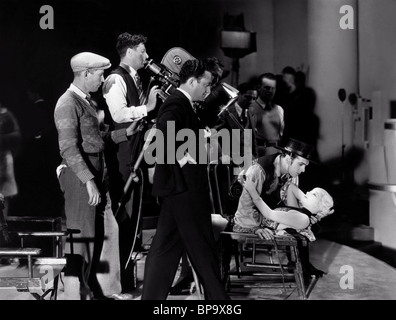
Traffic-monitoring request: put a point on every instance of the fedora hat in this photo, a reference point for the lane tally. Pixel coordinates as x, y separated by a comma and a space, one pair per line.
298, 148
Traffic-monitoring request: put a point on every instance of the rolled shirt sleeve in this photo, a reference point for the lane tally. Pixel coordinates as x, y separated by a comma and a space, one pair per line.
247, 215
115, 92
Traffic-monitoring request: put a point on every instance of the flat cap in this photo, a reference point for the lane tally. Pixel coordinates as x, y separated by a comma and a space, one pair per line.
88, 60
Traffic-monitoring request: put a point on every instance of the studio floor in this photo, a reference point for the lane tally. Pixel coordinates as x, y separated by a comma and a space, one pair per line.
350, 275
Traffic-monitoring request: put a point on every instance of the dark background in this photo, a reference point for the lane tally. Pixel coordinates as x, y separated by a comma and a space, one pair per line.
30, 54
31, 57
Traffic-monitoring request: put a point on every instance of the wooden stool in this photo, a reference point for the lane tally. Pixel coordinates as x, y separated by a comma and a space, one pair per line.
241, 244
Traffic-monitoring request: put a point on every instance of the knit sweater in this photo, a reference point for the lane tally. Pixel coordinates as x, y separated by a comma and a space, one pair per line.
78, 133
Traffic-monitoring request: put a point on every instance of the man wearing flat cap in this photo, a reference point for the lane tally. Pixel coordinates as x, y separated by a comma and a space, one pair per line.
81, 174
89, 61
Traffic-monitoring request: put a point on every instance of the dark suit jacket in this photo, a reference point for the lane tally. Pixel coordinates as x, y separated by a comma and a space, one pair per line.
170, 178
227, 121
230, 120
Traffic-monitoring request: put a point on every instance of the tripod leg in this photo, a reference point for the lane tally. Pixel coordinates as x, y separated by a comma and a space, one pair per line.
136, 217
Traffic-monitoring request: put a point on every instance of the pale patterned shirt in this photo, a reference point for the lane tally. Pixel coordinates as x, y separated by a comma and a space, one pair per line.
247, 214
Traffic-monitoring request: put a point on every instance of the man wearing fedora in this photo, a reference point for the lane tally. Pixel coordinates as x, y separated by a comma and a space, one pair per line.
82, 172
272, 175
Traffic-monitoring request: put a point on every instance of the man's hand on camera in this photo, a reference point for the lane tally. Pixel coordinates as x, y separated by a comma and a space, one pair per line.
152, 99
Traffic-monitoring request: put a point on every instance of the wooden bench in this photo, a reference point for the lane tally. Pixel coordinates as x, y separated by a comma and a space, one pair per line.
27, 278
25, 252
56, 235
43, 273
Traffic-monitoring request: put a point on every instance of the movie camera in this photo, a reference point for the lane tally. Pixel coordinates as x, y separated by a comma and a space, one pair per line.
166, 75
167, 80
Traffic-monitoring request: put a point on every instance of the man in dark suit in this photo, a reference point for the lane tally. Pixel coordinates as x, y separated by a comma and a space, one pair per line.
181, 184
235, 116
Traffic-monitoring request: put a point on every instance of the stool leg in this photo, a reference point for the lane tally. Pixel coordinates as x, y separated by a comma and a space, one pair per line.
298, 273
30, 266
238, 251
222, 258
71, 244
54, 293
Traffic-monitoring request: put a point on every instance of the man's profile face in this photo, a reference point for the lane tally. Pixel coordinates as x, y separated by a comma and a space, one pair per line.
311, 201
297, 166
94, 79
202, 87
139, 56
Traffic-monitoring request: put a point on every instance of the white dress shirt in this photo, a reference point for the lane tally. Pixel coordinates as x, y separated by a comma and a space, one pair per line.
187, 157
115, 92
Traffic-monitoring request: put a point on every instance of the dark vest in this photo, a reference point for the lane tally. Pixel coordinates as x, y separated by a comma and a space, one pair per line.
267, 163
132, 96
128, 151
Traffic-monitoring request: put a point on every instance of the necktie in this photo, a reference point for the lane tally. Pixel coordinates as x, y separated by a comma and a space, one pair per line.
140, 88
194, 106
91, 102
243, 117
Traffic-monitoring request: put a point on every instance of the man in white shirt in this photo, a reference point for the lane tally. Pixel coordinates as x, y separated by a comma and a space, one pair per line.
126, 101
265, 118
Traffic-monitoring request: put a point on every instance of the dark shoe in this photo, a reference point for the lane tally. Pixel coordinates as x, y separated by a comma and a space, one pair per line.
86, 293
311, 270
182, 286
